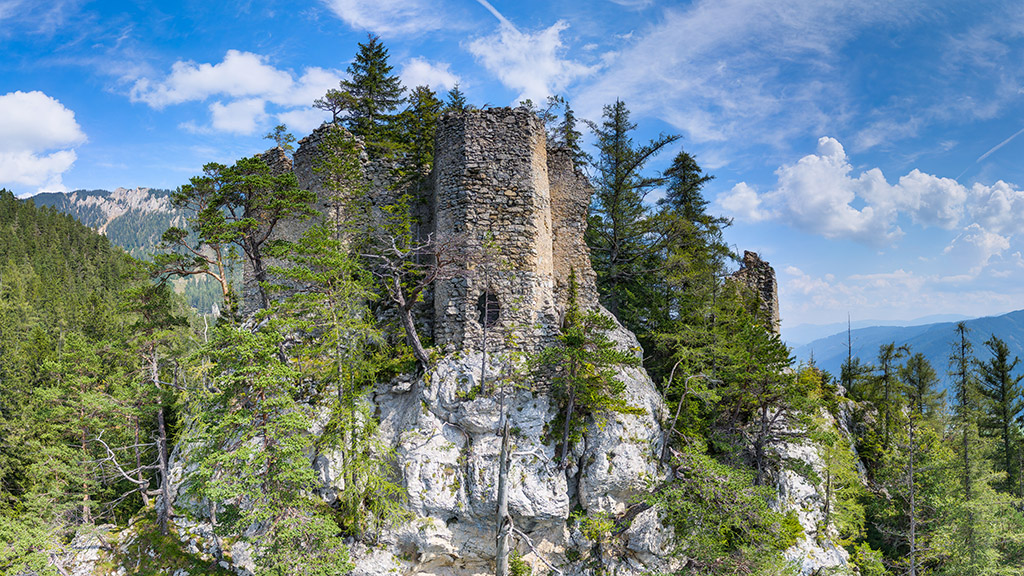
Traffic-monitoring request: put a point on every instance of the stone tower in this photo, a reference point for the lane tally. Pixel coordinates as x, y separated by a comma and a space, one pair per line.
759, 276
492, 193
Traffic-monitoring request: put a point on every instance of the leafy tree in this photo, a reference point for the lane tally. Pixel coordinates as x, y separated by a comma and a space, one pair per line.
723, 521
584, 383
251, 446
337, 348
761, 402
282, 138
231, 207
1004, 401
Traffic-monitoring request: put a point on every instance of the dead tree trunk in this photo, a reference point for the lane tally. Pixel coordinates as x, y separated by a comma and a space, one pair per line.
165, 477
504, 534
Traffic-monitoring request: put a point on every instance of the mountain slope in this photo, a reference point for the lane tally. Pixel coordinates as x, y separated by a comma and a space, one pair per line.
132, 219
933, 340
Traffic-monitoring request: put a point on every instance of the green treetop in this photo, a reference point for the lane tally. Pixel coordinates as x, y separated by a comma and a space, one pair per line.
584, 361
373, 94
1003, 400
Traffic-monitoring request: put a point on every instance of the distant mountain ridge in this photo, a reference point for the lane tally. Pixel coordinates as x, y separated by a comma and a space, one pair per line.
935, 341
133, 219
805, 333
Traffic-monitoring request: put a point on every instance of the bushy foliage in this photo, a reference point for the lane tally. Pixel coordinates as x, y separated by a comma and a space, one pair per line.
723, 522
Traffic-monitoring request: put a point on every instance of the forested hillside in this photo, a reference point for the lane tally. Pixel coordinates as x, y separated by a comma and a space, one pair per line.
934, 341
134, 220
78, 322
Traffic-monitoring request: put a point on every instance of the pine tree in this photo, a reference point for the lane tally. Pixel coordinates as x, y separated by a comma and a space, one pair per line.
620, 230
921, 382
250, 433
417, 126
228, 208
456, 100
338, 348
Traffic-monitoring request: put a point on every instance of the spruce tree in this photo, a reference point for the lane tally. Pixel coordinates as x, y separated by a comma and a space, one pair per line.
372, 94
621, 229
582, 365
1004, 401
456, 100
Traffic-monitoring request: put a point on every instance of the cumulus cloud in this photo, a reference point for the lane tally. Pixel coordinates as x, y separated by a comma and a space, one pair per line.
532, 63
974, 247
244, 85
37, 137
999, 207
388, 17
421, 72
820, 194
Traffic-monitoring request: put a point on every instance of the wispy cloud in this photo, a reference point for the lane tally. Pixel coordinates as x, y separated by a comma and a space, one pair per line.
389, 17
533, 63
1000, 145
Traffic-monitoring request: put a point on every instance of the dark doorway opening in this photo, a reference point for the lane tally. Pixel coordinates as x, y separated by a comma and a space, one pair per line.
489, 309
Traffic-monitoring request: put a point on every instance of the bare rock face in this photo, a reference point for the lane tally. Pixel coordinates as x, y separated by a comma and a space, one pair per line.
445, 431
818, 551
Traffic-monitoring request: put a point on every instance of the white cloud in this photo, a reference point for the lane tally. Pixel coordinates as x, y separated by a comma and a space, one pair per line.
388, 17
239, 117
245, 84
932, 200
37, 137
421, 72
531, 63
302, 121
744, 203
999, 207
973, 248
241, 74
819, 194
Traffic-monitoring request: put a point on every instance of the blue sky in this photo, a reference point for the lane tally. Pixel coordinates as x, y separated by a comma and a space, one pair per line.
869, 149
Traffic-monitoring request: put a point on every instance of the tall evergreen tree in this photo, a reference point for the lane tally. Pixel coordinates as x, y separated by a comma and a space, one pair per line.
584, 381
1004, 401
456, 100
620, 230
416, 127
921, 382
372, 95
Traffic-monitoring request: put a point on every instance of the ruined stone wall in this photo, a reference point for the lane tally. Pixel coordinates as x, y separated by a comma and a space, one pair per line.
492, 191
570, 206
759, 276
